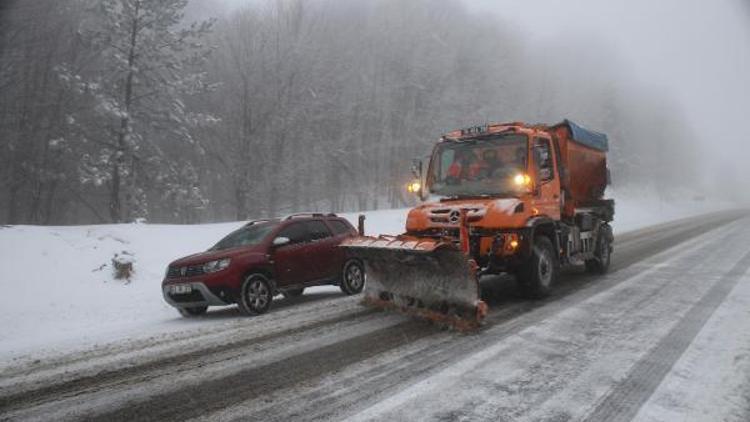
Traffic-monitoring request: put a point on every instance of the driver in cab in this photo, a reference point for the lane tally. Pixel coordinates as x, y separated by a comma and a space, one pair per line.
466, 165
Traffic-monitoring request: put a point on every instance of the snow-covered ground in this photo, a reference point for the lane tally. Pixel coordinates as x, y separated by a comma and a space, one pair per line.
59, 293
710, 380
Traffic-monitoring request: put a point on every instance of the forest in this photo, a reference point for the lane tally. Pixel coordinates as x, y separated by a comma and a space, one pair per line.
174, 111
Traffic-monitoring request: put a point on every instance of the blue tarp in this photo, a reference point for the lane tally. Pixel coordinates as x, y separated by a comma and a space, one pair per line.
587, 137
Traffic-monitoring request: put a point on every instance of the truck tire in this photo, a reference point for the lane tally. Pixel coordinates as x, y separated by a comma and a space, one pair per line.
602, 256
255, 296
537, 276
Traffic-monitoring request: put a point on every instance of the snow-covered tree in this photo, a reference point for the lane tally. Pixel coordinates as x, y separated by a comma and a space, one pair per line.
150, 61
106, 113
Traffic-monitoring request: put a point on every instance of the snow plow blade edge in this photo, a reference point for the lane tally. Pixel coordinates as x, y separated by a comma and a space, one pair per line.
426, 278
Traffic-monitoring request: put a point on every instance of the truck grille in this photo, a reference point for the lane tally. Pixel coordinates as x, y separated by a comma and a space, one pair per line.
185, 271
451, 216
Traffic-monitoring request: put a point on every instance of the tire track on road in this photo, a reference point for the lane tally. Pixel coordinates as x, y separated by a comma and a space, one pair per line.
327, 402
47, 392
466, 392
220, 393
624, 400
311, 365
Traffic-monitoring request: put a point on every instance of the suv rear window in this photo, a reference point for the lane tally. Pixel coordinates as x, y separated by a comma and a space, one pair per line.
296, 232
318, 229
339, 227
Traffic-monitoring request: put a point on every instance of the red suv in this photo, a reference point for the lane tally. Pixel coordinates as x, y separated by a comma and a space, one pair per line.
265, 257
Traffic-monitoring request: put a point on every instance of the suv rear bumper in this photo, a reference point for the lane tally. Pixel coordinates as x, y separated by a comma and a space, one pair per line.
199, 296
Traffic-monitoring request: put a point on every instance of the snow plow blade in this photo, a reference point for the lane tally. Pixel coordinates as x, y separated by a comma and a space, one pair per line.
427, 278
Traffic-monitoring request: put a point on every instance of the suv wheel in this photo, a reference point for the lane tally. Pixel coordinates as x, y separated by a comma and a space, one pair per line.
193, 311
256, 295
352, 277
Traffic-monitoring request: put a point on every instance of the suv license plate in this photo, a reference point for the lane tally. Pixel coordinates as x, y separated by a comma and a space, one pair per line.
181, 289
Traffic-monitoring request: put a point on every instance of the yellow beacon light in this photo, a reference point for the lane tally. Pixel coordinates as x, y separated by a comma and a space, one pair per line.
522, 180
414, 187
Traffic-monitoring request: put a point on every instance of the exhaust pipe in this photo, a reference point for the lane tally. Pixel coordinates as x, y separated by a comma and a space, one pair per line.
361, 225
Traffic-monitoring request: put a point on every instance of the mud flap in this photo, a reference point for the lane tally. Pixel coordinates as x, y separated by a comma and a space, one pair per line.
428, 278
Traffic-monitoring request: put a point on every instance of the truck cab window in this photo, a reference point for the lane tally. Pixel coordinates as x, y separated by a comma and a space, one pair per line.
479, 166
543, 158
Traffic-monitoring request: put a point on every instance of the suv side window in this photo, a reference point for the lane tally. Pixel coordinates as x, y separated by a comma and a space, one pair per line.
543, 158
339, 227
318, 230
296, 232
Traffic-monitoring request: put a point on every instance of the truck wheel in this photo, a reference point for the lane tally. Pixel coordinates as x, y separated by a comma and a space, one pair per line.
256, 295
352, 277
602, 256
539, 273
193, 311
293, 293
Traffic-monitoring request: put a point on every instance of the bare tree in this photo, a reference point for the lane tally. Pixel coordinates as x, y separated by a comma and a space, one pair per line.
112, 110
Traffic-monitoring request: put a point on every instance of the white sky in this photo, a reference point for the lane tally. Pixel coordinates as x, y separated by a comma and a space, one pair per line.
697, 51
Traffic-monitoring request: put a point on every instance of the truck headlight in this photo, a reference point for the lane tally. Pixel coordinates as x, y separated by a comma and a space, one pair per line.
414, 187
512, 241
214, 266
522, 180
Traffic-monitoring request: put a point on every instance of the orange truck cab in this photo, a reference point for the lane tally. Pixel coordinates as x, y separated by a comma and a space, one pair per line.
529, 199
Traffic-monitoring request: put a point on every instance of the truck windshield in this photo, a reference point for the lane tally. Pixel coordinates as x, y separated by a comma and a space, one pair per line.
478, 167
246, 236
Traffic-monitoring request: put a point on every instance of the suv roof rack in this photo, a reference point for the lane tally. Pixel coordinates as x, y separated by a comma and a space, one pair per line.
309, 214
260, 220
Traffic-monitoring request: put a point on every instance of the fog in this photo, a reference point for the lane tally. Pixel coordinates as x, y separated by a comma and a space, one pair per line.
259, 107
694, 51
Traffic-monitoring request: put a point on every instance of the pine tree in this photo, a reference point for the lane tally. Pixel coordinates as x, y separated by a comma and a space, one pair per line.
150, 62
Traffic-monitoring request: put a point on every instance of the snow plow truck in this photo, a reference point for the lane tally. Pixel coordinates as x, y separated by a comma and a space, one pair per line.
499, 198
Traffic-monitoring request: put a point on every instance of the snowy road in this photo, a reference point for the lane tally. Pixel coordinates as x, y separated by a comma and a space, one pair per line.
665, 336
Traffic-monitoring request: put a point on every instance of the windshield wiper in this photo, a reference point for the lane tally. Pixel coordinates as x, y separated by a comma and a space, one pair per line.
476, 196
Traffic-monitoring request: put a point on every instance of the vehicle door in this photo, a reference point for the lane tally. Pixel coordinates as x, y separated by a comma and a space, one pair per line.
341, 231
291, 263
323, 251
548, 185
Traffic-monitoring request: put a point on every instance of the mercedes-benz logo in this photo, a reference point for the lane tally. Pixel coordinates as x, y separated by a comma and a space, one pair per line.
454, 216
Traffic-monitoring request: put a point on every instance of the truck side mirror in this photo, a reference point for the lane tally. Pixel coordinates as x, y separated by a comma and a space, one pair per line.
543, 160
417, 185
416, 168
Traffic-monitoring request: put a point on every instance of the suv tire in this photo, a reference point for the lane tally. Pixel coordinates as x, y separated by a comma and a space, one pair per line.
352, 277
256, 295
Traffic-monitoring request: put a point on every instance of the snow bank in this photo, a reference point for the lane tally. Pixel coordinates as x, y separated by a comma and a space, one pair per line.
636, 208
59, 293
